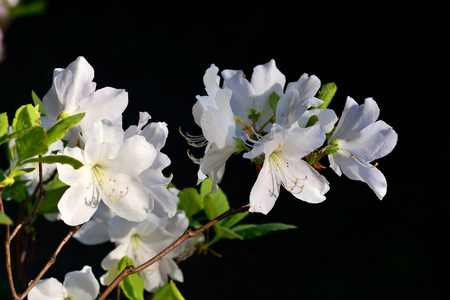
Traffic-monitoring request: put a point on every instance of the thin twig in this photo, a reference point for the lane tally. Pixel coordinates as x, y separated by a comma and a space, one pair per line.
187, 234
8, 252
51, 261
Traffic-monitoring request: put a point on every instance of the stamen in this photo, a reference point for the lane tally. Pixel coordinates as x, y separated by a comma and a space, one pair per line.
289, 183
194, 140
355, 159
193, 158
110, 187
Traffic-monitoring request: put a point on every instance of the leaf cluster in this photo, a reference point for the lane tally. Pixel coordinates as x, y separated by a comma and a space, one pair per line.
202, 206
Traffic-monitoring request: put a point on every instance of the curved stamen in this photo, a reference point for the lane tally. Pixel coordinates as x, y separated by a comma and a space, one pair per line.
355, 159
290, 184
193, 158
194, 140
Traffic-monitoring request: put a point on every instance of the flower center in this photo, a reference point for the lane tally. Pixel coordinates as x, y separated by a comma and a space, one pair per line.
281, 166
110, 187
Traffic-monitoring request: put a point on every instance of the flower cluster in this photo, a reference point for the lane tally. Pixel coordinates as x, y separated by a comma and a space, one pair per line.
130, 187
281, 130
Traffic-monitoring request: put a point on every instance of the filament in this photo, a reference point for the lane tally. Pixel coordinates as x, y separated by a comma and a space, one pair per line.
362, 164
194, 140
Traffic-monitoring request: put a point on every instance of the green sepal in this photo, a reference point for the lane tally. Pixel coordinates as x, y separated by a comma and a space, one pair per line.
37, 101
168, 292
59, 130
250, 231
133, 285
5, 220
51, 159
326, 94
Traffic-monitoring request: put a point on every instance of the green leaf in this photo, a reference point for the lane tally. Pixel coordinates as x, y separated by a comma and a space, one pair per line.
168, 292
30, 142
234, 219
51, 159
59, 130
219, 197
273, 101
26, 116
211, 209
3, 124
4, 219
326, 94
133, 285
190, 202
37, 101
33, 8
250, 231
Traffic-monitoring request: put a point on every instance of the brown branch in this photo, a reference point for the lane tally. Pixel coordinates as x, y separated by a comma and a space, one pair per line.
51, 261
187, 234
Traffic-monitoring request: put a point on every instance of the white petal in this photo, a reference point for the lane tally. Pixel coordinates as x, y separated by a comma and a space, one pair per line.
265, 191
81, 285
356, 117
211, 80
134, 156
47, 289
133, 201
67, 173
267, 79
307, 87
74, 84
95, 231
156, 134
79, 202
373, 142
106, 103
355, 171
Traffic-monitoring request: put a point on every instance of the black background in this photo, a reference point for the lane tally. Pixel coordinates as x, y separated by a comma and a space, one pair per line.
352, 246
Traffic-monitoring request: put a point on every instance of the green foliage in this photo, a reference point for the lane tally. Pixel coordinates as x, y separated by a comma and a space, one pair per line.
30, 142
3, 124
168, 292
250, 231
273, 101
5, 220
59, 130
203, 206
37, 101
51, 159
133, 285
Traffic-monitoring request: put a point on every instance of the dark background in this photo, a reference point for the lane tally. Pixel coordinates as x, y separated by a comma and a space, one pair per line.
352, 246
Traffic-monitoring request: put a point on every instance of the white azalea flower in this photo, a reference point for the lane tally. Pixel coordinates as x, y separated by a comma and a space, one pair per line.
142, 241
214, 115
360, 140
73, 91
299, 97
165, 203
254, 94
111, 167
78, 285
283, 151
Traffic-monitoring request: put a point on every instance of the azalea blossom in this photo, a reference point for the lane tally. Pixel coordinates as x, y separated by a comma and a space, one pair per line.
361, 139
214, 115
165, 202
298, 98
73, 92
77, 285
251, 98
283, 150
110, 173
141, 241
